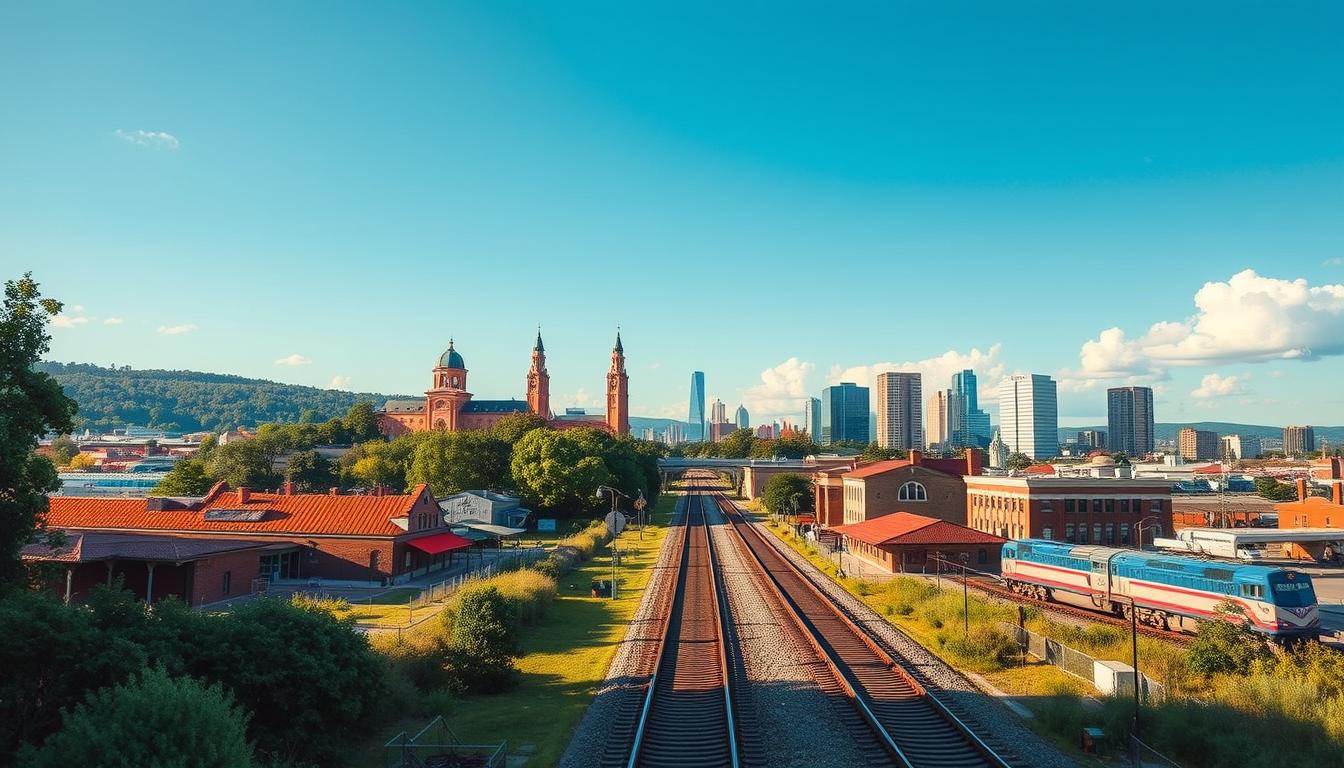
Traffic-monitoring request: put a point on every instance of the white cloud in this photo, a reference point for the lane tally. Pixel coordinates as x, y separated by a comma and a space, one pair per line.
174, 330
113, 321
340, 382
1248, 318
294, 359
79, 308
1337, 261
781, 390
579, 399
1214, 385
68, 321
151, 139
935, 372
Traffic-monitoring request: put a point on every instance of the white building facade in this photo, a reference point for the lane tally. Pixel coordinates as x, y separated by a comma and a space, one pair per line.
1029, 415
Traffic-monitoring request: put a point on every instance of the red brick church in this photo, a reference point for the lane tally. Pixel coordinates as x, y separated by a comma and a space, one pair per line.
448, 405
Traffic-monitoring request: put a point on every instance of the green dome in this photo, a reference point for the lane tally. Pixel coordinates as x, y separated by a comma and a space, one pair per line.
450, 358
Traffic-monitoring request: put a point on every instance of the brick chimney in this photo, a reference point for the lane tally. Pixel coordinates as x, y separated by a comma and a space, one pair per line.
916, 457
1337, 494
975, 461
243, 495
288, 488
334, 491
1301, 489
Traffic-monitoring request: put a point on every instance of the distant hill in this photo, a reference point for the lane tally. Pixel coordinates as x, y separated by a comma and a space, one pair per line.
1171, 430
190, 401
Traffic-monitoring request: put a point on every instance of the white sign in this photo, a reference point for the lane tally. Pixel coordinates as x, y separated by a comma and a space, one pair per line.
615, 523
546, 524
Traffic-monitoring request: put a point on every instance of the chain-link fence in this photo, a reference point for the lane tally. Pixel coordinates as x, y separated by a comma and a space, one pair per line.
1143, 756
442, 590
1076, 662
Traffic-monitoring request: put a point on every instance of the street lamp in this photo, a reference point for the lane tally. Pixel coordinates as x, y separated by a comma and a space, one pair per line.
1138, 529
615, 550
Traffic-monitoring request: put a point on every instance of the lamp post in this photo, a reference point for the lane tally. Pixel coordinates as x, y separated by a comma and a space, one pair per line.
615, 550
793, 502
1134, 651
1138, 529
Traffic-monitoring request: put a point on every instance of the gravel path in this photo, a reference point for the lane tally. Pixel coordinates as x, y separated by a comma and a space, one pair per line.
587, 745
990, 719
795, 720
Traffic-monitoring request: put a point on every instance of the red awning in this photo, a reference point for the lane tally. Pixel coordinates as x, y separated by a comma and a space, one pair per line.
439, 542
805, 519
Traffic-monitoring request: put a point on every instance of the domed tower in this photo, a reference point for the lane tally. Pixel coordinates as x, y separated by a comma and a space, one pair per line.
618, 391
539, 382
448, 393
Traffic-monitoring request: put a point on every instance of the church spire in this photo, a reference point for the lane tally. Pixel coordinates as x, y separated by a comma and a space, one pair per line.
618, 391
619, 347
539, 346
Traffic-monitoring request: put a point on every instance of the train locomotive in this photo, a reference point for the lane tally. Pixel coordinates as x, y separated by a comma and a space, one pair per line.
1164, 589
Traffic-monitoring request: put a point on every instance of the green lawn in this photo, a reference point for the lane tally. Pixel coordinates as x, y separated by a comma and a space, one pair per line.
567, 654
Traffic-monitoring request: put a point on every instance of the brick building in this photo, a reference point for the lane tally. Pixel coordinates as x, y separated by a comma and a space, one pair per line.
930, 487
449, 406
368, 539
1084, 510
904, 543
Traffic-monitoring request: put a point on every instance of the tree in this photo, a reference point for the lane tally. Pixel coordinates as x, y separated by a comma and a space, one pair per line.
781, 491
63, 449
31, 405
1018, 462
81, 462
310, 471
1273, 490
361, 422
795, 446
875, 452
155, 721
187, 478
245, 464
737, 445
450, 462
1226, 644
512, 427
484, 641
554, 471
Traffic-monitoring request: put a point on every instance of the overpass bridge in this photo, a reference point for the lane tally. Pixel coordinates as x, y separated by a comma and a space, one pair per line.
749, 475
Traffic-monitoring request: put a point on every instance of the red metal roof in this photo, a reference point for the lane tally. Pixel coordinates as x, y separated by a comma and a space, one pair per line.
877, 468
435, 543
298, 514
907, 528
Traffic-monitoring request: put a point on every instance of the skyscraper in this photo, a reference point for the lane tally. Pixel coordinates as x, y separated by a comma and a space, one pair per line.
900, 422
1129, 418
695, 422
974, 423
936, 421
718, 412
844, 413
812, 418
1298, 441
1029, 415
743, 420
1197, 444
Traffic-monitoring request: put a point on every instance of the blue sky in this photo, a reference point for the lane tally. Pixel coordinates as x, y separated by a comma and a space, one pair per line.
781, 197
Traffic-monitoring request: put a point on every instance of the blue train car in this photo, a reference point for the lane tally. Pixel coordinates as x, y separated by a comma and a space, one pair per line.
1275, 601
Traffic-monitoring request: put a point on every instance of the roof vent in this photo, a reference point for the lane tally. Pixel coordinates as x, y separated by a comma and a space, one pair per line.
235, 515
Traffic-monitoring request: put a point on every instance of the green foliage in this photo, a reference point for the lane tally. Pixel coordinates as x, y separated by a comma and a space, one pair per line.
310, 472
31, 405
484, 641
782, 490
1226, 646
1274, 490
246, 463
559, 470
1018, 462
986, 647
450, 462
737, 445
63, 449
188, 401
187, 478
513, 426
361, 422
875, 452
154, 721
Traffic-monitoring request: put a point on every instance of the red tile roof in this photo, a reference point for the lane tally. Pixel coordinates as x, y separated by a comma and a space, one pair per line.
907, 528
1040, 469
299, 514
877, 468
954, 467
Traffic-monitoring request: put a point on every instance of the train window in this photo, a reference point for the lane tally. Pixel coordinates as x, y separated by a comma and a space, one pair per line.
1252, 590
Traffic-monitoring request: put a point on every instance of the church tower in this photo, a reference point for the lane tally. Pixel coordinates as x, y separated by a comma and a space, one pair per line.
448, 393
539, 382
618, 391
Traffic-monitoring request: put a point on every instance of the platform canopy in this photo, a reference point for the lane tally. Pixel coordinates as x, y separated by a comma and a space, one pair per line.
435, 543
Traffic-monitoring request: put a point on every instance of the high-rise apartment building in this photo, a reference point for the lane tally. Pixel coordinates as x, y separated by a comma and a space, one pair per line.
844, 413
1129, 420
812, 418
900, 421
741, 417
1197, 444
1092, 439
1029, 415
718, 412
695, 421
936, 419
973, 426
1299, 441
1234, 447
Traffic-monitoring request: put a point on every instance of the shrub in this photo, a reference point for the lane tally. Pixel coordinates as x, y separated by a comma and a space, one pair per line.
333, 605
987, 648
155, 721
1225, 647
484, 642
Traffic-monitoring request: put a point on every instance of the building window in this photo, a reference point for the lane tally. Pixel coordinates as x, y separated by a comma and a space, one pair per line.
1068, 532
1124, 533
1047, 533
1156, 506
1135, 505
228, 582
982, 557
1082, 533
1096, 506
1124, 506
1096, 534
1110, 534
912, 491
406, 562
1110, 506
373, 560
1068, 506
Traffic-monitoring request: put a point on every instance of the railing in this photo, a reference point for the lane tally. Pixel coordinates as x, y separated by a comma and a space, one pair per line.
1077, 663
436, 741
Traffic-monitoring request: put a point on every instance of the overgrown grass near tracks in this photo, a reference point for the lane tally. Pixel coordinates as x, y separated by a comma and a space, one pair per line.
566, 655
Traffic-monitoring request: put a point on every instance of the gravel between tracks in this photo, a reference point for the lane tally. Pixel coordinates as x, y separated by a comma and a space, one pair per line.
994, 722
795, 720
590, 737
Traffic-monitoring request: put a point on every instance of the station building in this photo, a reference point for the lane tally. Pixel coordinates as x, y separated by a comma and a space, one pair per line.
934, 488
901, 542
1311, 512
1082, 510
222, 545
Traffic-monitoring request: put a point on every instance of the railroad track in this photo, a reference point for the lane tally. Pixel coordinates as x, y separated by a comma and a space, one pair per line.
911, 725
687, 714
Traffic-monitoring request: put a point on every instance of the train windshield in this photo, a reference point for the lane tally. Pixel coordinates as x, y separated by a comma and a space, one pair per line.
1292, 590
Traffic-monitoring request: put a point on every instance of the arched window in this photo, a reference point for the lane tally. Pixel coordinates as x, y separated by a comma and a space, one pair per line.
912, 491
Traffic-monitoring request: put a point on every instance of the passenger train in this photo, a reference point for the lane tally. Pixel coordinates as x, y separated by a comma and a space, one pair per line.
1167, 590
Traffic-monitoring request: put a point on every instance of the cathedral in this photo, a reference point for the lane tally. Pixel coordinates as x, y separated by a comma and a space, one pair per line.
448, 405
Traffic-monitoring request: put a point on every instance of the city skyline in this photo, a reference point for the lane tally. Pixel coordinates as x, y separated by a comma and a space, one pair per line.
191, 224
